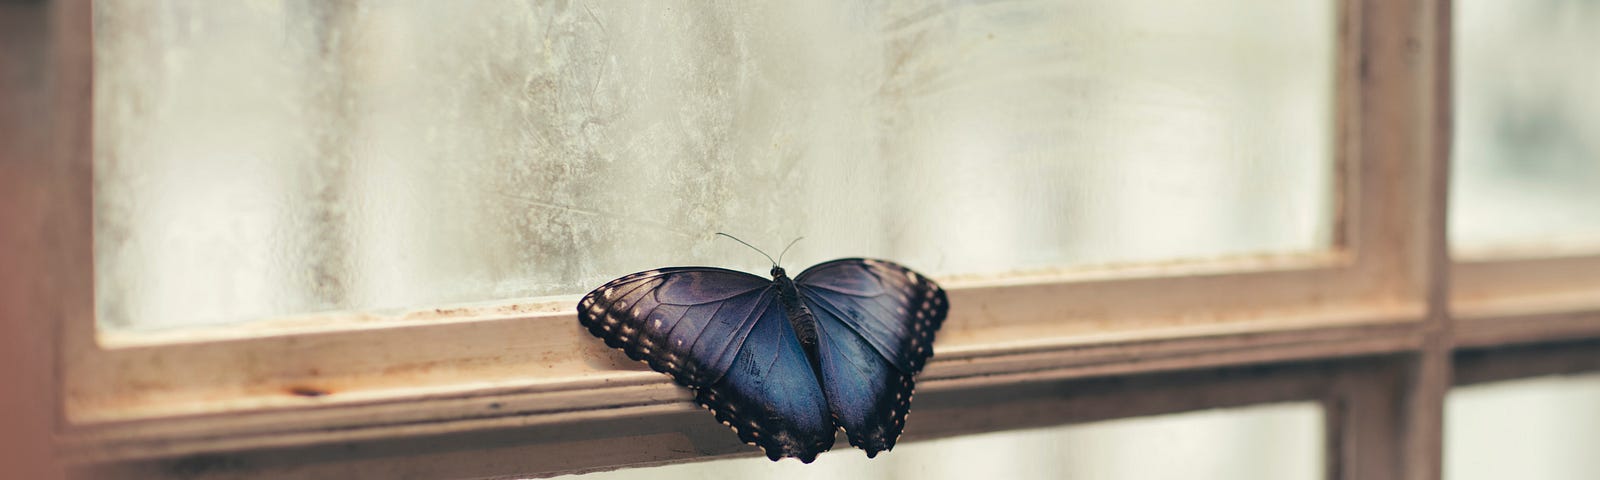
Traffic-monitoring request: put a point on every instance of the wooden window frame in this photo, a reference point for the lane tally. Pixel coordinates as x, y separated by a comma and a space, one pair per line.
1365, 328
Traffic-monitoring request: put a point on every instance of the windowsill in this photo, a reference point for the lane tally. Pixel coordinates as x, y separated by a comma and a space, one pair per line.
227, 421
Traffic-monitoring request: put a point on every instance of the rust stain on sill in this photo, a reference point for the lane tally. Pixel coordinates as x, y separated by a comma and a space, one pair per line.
305, 391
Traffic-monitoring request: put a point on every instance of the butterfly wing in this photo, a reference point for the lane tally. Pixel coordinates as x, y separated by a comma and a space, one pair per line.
685, 321
875, 327
771, 396
868, 396
892, 308
723, 334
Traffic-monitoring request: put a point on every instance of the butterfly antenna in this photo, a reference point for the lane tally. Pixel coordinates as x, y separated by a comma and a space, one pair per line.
752, 247
786, 249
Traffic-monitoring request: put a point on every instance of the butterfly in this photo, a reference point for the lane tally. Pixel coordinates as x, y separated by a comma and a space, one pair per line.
783, 362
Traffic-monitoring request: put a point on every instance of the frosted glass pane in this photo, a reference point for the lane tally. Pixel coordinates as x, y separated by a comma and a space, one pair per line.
1527, 133
1271, 442
1545, 428
267, 158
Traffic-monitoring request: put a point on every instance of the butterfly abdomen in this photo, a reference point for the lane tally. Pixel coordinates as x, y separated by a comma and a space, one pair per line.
800, 317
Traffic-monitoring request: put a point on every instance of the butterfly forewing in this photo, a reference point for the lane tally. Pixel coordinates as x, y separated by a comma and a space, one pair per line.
686, 322
894, 309
725, 335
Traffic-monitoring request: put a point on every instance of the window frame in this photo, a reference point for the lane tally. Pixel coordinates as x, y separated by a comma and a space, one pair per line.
1512, 300
1373, 315
1360, 297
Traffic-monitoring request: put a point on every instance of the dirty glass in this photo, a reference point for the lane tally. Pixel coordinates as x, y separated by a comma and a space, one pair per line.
1543, 428
267, 158
1527, 131
1276, 442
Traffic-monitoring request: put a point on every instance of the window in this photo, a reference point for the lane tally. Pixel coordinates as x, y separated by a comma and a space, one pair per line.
1535, 427
523, 152
1524, 227
353, 319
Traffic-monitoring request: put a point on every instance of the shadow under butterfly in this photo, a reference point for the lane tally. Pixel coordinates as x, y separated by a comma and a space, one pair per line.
782, 362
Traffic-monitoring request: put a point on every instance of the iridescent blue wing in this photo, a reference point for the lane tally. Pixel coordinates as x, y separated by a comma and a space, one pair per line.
723, 334
891, 307
875, 326
685, 321
771, 396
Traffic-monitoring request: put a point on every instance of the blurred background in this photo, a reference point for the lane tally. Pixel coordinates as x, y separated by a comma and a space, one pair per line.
264, 159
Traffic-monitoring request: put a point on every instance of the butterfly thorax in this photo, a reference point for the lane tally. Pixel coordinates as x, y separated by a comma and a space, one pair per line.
805, 325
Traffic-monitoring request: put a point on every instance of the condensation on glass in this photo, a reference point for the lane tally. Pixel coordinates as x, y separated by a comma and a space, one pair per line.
267, 158
1546, 428
1527, 130
1268, 442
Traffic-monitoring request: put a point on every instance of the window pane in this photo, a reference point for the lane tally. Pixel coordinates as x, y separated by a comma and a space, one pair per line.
1544, 428
1278, 442
1527, 132
280, 157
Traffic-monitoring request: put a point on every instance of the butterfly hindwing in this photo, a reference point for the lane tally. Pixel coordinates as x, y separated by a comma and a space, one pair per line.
771, 396
869, 397
725, 335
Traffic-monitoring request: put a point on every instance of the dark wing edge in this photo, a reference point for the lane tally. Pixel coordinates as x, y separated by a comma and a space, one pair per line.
895, 309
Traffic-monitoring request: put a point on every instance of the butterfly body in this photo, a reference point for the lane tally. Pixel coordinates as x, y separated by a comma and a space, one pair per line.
800, 317
787, 361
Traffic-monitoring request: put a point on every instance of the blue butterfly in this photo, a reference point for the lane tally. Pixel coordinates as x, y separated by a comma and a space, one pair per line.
782, 362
